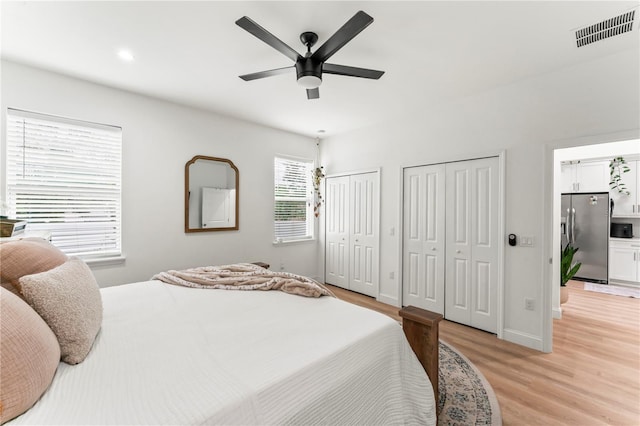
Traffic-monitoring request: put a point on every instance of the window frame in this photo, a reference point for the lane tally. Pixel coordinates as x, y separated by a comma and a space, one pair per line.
64, 153
309, 199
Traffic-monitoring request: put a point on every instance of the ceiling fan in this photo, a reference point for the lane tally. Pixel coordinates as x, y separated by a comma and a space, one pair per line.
311, 66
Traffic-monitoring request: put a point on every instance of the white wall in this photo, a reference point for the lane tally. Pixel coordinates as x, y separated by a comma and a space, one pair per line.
158, 139
525, 119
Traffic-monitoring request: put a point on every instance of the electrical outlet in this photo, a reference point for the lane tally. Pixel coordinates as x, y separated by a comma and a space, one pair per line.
392, 275
282, 266
529, 304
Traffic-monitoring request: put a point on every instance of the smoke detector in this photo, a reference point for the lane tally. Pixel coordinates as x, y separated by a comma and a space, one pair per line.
608, 28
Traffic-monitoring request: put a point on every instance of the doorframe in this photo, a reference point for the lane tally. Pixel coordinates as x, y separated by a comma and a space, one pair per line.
378, 172
501, 155
555, 152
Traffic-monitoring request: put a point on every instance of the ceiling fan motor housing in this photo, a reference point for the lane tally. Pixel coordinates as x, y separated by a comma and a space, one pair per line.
307, 67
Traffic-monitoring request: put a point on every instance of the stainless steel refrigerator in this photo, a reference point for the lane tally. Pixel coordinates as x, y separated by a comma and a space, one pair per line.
585, 223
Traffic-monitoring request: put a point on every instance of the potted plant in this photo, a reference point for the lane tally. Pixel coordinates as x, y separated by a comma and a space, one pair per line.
618, 166
317, 176
567, 270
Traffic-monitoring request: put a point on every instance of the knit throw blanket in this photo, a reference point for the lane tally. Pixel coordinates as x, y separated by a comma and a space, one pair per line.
244, 276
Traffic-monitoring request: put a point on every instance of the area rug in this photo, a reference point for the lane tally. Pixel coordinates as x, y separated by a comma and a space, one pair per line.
613, 289
466, 398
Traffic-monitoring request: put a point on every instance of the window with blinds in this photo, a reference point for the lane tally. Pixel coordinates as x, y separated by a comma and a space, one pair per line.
293, 190
64, 176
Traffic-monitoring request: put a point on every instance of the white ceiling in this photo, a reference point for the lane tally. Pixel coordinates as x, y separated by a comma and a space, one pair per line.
192, 52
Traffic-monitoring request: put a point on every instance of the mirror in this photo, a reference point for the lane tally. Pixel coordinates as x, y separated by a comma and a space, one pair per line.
210, 194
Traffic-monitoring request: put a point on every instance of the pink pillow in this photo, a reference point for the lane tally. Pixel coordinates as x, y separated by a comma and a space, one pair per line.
28, 256
68, 299
29, 356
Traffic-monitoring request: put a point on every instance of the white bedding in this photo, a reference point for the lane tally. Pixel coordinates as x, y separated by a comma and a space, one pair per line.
176, 355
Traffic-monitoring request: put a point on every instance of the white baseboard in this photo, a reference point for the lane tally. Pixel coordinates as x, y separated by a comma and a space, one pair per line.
521, 338
389, 300
557, 313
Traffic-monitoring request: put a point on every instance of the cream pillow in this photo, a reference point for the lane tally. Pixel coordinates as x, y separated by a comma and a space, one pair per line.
68, 299
26, 257
29, 356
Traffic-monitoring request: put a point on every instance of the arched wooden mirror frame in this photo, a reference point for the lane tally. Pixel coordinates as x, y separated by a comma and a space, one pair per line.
187, 228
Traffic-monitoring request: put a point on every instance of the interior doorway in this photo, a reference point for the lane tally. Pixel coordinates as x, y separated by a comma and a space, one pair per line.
605, 151
586, 152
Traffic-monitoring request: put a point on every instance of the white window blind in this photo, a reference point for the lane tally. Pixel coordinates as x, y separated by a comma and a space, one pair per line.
64, 176
293, 215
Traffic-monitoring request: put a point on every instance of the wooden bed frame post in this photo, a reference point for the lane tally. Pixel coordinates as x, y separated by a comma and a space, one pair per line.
422, 330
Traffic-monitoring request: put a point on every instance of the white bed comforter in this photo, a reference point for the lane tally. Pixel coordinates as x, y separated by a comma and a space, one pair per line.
176, 355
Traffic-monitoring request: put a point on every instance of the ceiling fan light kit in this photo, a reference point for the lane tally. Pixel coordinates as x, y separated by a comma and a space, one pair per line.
309, 81
309, 68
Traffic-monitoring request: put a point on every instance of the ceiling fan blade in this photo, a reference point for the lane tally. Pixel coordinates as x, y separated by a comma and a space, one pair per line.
351, 71
313, 93
264, 35
263, 74
352, 28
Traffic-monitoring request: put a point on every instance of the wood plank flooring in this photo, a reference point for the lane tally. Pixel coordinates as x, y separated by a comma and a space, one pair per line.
591, 378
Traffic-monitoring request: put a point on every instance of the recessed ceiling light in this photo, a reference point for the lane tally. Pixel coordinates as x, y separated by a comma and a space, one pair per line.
125, 55
321, 131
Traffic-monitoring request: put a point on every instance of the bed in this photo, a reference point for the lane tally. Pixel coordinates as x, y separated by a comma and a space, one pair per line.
167, 354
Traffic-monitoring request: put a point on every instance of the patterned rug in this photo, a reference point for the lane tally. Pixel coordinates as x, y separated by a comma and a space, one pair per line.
466, 398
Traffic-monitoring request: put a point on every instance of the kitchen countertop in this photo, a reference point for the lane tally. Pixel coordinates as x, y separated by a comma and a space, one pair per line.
634, 239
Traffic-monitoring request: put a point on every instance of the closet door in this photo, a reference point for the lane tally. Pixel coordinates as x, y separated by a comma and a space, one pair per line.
458, 251
472, 233
337, 231
363, 237
484, 244
424, 237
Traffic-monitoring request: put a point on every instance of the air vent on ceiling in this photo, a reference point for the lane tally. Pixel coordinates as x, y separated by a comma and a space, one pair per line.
605, 29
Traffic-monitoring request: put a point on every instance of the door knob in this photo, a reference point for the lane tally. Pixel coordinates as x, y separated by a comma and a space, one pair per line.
458, 251
433, 249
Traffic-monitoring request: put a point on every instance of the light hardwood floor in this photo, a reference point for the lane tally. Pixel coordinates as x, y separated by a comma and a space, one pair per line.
591, 378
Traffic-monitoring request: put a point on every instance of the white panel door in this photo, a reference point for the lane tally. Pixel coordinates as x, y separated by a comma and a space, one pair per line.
472, 243
217, 207
423, 237
337, 231
363, 237
458, 243
484, 244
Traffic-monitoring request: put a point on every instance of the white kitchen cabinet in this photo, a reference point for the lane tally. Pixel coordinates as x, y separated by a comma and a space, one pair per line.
624, 261
628, 205
585, 177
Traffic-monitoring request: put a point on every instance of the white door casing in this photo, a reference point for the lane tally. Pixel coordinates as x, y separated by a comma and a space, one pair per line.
337, 231
424, 237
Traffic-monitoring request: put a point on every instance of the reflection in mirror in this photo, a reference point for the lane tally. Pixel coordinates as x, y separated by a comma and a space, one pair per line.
211, 194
